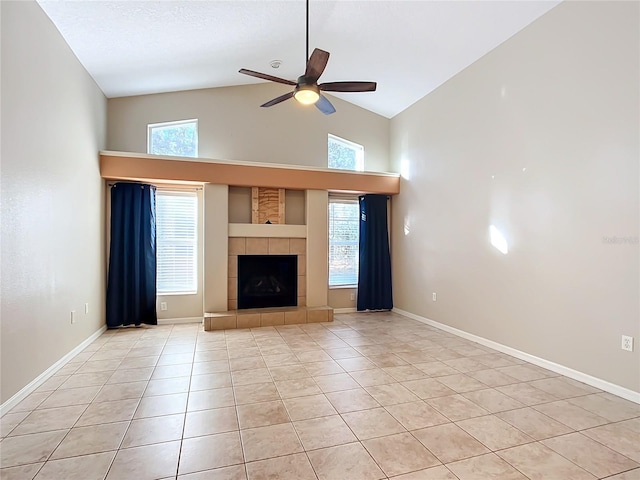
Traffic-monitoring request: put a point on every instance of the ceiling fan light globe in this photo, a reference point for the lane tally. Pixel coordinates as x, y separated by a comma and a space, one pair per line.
307, 96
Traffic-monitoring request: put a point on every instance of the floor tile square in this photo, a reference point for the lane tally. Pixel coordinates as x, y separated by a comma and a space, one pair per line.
352, 400
372, 423
212, 451
87, 467
416, 415
297, 388
534, 423
619, 438
91, 439
537, 461
571, 415
29, 448
49, 419
590, 455
485, 467
255, 393
456, 407
208, 399
146, 431
332, 463
398, 454
149, 462
272, 441
295, 467
210, 422
391, 394
323, 432
449, 443
262, 414
428, 388
313, 406
162, 405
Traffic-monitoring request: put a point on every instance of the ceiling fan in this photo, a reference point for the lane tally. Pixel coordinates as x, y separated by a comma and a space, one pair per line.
307, 90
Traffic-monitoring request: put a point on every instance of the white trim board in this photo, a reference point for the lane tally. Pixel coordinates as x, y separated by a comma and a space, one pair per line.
179, 321
48, 373
345, 310
596, 382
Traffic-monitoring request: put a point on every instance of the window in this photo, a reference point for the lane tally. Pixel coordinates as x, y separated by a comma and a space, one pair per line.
173, 138
345, 155
344, 226
177, 241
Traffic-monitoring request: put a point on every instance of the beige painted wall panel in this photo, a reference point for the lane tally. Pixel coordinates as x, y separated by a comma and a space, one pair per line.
232, 126
341, 297
52, 198
317, 204
216, 259
541, 139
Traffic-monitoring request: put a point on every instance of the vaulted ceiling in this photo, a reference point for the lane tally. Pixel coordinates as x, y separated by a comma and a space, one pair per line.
408, 47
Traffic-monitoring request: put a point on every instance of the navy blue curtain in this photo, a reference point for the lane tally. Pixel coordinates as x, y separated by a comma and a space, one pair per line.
131, 288
374, 275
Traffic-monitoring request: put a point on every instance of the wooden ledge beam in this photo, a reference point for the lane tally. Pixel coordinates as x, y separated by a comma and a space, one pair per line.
159, 169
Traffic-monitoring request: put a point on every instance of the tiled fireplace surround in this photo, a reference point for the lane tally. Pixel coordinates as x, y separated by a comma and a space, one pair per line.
263, 317
266, 246
307, 241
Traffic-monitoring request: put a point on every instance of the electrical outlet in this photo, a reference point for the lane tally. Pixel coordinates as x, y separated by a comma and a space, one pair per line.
435, 296
73, 317
86, 308
353, 296
163, 306
627, 343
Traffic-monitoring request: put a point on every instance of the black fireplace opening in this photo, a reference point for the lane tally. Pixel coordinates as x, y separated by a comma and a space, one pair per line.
267, 281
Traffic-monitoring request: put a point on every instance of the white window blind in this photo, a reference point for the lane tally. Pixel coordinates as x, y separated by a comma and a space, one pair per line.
177, 242
344, 226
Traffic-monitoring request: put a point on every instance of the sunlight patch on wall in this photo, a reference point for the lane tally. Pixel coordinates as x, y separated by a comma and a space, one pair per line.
498, 240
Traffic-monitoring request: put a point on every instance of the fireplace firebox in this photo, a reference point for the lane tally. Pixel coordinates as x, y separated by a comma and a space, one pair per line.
267, 281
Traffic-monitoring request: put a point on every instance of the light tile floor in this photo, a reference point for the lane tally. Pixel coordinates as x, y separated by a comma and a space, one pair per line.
369, 396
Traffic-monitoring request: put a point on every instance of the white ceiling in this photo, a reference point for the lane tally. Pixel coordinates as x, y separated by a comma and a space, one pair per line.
408, 47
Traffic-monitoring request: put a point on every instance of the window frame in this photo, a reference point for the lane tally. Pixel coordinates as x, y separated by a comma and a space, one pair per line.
359, 149
345, 199
196, 241
173, 123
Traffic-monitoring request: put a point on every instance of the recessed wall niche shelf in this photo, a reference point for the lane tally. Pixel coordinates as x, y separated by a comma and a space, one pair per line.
267, 205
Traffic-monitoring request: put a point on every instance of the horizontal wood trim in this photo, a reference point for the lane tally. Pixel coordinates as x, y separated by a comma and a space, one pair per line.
157, 169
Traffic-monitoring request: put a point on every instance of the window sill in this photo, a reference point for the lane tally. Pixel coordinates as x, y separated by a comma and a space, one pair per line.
174, 294
339, 287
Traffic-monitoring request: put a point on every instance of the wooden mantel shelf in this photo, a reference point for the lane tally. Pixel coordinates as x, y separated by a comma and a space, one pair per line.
161, 169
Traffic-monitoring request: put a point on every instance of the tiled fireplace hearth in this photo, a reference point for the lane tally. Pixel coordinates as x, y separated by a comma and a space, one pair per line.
261, 317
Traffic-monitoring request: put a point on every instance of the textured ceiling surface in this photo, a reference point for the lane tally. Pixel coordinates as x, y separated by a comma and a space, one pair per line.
408, 47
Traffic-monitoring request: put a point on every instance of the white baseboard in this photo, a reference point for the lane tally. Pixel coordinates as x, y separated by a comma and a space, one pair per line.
48, 373
596, 382
345, 310
178, 321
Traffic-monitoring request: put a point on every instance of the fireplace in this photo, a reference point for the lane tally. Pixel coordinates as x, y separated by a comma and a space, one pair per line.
267, 281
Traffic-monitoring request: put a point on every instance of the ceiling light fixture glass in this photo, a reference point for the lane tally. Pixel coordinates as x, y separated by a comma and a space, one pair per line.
307, 94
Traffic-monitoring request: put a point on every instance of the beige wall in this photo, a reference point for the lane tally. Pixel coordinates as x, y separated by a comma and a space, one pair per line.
559, 99
232, 126
53, 125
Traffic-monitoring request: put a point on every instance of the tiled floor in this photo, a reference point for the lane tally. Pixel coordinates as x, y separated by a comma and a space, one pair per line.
367, 397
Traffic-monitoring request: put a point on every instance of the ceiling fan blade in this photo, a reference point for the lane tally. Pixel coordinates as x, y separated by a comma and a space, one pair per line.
325, 106
264, 76
348, 86
277, 100
316, 65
